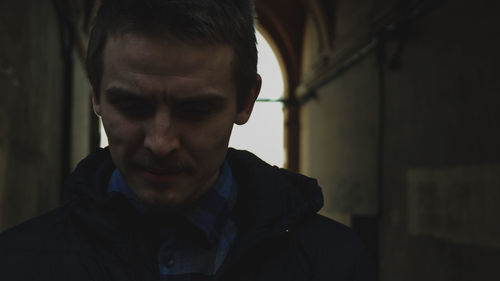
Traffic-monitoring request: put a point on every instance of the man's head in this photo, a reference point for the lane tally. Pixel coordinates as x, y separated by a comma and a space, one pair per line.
208, 21
170, 78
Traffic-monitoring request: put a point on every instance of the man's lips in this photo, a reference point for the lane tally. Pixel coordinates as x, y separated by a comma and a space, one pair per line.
158, 175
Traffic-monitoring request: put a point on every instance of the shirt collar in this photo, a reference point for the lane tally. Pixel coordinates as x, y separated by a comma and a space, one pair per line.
117, 185
214, 209
209, 215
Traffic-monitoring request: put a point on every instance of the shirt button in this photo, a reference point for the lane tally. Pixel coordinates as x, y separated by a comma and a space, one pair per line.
169, 262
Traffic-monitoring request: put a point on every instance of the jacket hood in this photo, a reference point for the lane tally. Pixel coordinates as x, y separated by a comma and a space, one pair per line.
85, 196
271, 196
268, 197
90, 178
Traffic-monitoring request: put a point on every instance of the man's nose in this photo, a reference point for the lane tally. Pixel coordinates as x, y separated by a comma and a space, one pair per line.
161, 136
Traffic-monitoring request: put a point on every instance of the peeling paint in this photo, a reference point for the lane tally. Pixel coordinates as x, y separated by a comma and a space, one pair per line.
458, 204
8, 73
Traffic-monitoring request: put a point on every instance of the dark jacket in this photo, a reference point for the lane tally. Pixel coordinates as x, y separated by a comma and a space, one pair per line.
97, 237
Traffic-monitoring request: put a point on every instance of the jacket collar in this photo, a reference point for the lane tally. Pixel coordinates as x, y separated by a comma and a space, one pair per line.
269, 196
269, 200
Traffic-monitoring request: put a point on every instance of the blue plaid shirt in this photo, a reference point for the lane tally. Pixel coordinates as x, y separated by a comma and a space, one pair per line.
179, 255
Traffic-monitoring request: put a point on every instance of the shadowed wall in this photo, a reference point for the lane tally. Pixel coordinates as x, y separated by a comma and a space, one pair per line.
31, 79
407, 136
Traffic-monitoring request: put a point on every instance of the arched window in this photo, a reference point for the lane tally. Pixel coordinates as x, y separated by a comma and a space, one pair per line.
263, 134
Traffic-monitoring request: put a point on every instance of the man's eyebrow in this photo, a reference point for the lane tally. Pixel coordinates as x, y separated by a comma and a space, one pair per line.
204, 98
114, 92
121, 93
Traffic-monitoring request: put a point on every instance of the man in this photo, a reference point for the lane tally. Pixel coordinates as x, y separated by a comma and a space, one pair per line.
167, 200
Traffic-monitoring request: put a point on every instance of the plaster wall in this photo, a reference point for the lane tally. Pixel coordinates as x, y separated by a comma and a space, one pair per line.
439, 155
30, 110
441, 152
81, 112
340, 137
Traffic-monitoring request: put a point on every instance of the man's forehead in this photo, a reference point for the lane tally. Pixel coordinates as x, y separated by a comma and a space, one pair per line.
138, 63
145, 49
165, 40
130, 93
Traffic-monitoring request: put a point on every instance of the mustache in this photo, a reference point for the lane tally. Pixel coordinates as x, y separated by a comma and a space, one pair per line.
163, 165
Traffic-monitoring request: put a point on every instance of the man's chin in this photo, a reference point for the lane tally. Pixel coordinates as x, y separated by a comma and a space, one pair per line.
155, 203
163, 208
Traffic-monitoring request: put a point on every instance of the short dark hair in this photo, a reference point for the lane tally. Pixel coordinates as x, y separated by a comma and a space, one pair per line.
212, 21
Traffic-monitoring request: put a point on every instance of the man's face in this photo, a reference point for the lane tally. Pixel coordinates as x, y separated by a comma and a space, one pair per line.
168, 109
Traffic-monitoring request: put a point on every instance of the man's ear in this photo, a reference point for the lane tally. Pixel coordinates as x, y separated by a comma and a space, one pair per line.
247, 104
96, 103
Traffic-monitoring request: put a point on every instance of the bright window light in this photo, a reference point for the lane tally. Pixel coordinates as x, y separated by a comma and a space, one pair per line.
104, 138
263, 134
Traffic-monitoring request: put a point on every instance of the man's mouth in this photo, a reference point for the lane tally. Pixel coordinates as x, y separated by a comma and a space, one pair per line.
163, 171
161, 175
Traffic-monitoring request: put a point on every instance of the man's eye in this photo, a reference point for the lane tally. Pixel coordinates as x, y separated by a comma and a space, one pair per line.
198, 109
134, 109
194, 111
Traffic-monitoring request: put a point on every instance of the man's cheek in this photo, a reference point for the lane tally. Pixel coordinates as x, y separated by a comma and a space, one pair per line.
123, 133
209, 140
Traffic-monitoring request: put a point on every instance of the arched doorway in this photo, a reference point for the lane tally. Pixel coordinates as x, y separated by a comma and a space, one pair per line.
264, 133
